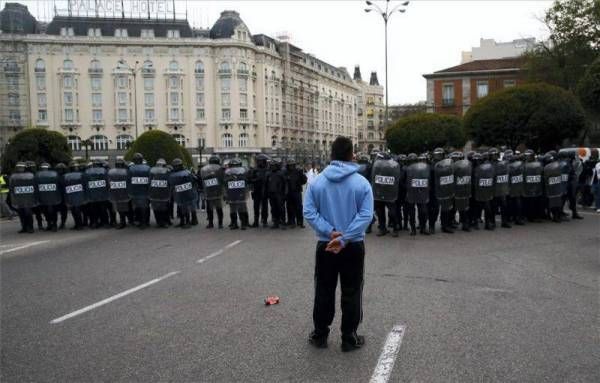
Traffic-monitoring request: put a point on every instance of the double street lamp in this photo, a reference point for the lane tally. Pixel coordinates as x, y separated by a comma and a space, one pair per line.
386, 14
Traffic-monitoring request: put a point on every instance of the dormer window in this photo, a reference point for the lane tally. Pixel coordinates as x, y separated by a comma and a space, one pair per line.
67, 31
147, 33
120, 32
94, 32
173, 33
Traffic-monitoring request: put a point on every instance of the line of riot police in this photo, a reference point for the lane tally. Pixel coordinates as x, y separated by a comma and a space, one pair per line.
427, 187
99, 196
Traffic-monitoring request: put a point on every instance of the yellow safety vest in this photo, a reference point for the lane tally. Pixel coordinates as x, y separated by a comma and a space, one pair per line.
3, 186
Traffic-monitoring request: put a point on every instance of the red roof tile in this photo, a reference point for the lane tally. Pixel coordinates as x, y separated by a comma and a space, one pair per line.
485, 65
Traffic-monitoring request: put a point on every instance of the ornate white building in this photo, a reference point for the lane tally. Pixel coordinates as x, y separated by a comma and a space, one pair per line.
223, 90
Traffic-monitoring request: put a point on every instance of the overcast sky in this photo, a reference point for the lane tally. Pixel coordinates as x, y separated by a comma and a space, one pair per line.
428, 37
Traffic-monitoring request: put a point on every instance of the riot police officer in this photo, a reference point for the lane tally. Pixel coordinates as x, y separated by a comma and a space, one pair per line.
552, 186
61, 169
49, 195
385, 178
515, 195
483, 177
75, 192
257, 179
401, 214
576, 169
418, 175
31, 167
23, 196
184, 192
118, 191
443, 172
159, 193
212, 181
276, 188
365, 169
295, 180
236, 186
138, 184
462, 188
97, 193
532, 191
501, 187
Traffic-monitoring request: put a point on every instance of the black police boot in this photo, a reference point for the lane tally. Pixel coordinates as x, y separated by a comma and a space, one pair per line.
352, 342
447, 230
244, 219
318, 340
423, 230
233, 225
395, 233
432, 229
413, 231
382, 232
210, 225
194, 218
255, 224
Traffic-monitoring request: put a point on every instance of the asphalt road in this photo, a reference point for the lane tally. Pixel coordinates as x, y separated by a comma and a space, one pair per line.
514, 305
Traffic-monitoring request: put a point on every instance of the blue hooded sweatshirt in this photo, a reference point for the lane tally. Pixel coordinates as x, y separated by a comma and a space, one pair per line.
339, 199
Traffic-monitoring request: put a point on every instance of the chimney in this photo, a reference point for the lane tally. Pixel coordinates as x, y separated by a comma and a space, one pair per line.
373, 80
357, 75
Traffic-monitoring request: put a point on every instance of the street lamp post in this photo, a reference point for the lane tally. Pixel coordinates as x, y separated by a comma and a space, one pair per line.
135, 103
386, 14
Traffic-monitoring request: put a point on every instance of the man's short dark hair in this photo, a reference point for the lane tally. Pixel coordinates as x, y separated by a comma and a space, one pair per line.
341, 149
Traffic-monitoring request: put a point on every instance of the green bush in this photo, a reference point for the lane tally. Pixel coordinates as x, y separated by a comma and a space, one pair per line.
539, 116
37, 145
156, 144
425, 131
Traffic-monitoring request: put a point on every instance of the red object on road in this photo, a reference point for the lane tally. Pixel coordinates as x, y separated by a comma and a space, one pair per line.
271, 300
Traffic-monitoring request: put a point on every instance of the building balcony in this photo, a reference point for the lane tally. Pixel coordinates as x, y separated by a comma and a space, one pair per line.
95, 71
224, 72
448, 102
39, 70
199, 72
174, 122
243, 72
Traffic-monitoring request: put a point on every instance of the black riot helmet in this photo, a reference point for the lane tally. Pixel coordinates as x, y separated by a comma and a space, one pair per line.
214, 160
177, 164
470, 155
275, 164
235, 163
455, 156
97, 163
529, 155
422, 157
494, 154
61, 168
477, 158
44, 166
138, 158
120, 163
438, 154
291, 164
30, 166
363, 159
383, 156
401, 159
262, 160
563, 155
412, 158
510, 157
74, 166
508, 151
20, 167
161, 163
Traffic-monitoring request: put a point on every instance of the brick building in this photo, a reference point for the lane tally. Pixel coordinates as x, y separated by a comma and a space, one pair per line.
453, 90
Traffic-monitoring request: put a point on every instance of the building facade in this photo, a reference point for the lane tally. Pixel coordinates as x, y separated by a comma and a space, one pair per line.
489, 49
454, 90
370, 113
104, 81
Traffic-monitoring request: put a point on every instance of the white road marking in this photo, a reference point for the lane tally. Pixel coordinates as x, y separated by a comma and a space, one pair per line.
113, 298
219, 252
585, 212
25, 246
386, 361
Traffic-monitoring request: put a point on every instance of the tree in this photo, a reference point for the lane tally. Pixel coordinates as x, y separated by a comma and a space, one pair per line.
588, 92
539, 116
573, 44
38, 145
424, 131
156, 144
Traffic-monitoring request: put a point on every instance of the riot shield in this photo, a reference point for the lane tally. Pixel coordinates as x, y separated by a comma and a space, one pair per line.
502, 183
443, 172
159, 185
236, 184
22, 190
75, 189
182, 185
417, 183
97, 185
462, 184
117, 183
532, 175
48, 187
385, 178
515, 173
484, 182
212, 180
553, 184
139, 182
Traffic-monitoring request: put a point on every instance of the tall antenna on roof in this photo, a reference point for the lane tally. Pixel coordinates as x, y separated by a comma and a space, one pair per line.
69, 8
148, 7
96, 8
122, 10
173, 10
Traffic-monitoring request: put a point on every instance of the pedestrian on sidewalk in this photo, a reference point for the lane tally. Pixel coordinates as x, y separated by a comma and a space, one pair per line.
595, 182
339, 207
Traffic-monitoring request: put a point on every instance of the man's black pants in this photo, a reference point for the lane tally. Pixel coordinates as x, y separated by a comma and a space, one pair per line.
261, 207
294, 208
349, 265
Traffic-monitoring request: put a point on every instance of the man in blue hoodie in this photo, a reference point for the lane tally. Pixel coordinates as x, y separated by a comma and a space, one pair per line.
339, 207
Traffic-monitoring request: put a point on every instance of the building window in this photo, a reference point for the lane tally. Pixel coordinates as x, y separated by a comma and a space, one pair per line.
482, 89
243, 85
124, 141
122, 115
149, 115
224, 68
243, 114
174, 114
68, 98
180, 138
122, 98
199, 99
74, 143
69, 115
40, 66
225, 114
68, 65
199, 83
174, 98
120, 32
225, 100
147, 33
95, 66
173, 33
173, 66
148, 83
96, 100
174, 82
199, 67
97, 115
509, 83
447, 95
42, 115
96, 83
227, 140
99, 142
68, 82
122, 82
149, 99
199, 114
225, 84
243, 100
40, 82
13, 99
14, 115
243, 140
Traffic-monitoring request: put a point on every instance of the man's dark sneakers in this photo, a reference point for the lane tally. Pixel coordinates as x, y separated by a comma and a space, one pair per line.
317, 340
352, 342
